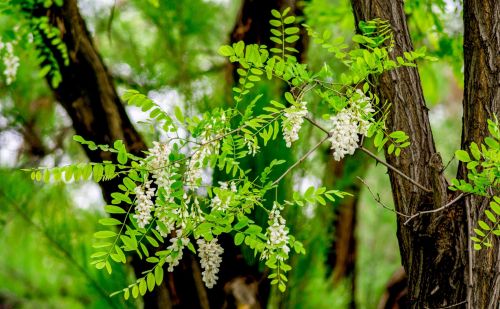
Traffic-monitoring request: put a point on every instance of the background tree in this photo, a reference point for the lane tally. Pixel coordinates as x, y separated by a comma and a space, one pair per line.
174, 59
433, 249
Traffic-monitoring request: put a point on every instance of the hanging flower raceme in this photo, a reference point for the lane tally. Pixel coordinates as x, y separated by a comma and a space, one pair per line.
344, 135
277, 236
348, 124
292, 122
210, 258
10, 61
144, 207
176, 247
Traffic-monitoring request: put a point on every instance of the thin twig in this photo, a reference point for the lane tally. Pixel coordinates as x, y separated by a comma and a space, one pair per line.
434, 210
368, 152
317, 125
449, 162
469, 255
451, 306
377, 199
300, 160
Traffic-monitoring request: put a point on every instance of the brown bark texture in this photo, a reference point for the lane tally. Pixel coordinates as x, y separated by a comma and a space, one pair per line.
433, 246
88, 94
481, 102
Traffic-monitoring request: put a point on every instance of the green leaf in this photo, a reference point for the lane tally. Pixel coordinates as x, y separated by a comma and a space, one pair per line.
289, 98
111, 209
122, 157
178, 114
292, 39
104, 234
490, 216
276, 14
275, 23
135, 291
109, 221
152, 241
226, 51
474, 149
158, 274
142, 286
291, 30
483, 225
462, 155
238, 239
97, 172
289, 20
150, 278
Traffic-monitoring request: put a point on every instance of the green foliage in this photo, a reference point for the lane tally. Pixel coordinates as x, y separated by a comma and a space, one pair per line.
38, 30
143, 214
483, 178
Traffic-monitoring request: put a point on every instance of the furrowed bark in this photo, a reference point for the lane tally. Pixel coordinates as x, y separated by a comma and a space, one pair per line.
481, 102
88, 94
433, 248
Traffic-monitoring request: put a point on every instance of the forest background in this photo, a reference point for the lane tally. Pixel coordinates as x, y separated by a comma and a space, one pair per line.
168, 50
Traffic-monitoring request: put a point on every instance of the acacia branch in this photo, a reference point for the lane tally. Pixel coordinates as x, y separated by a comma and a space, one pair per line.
389, 166
300, 160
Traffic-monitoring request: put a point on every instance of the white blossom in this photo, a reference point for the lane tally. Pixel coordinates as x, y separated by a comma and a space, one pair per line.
210, 259
11, 63
362, 109
294, 117
253, 147
277, 235
348, 124
344, 135
145, 206
176, 247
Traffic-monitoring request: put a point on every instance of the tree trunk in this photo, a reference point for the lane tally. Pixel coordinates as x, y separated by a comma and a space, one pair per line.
432, 246
88, 94
481, 102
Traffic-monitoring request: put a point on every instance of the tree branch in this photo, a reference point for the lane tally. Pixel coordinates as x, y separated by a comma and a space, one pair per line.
314, 123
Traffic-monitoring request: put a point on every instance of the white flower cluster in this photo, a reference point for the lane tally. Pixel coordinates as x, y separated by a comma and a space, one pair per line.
348, 124
294, 117
277, 235
253, 146
144, 195
177, 246
210, 259
222, 204
10, 61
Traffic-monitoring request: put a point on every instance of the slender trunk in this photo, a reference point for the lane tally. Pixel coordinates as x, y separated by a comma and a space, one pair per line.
481, 102
88, 94
432, 246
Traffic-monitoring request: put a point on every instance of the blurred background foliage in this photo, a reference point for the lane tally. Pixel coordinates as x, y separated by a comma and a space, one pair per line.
170, 53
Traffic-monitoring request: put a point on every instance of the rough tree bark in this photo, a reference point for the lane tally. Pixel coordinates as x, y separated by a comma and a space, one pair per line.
88, 94
432, 246
481, 102
435, 249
